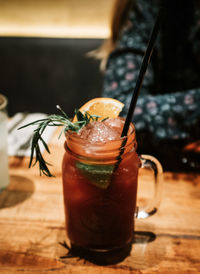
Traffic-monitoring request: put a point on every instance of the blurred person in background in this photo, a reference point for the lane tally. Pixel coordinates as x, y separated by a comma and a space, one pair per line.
167, 114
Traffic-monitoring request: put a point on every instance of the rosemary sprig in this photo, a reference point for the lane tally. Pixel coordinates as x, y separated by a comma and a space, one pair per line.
54, 120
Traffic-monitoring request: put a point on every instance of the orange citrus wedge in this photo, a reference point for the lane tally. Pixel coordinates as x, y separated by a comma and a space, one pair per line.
104, 107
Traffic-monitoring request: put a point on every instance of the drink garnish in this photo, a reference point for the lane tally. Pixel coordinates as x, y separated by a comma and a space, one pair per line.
97, 109
98, 175
82, 119
103, 107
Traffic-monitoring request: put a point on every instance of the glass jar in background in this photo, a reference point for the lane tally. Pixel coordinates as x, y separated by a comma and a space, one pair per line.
4, 173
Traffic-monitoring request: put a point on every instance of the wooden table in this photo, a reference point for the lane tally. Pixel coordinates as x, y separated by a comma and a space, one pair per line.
32, 227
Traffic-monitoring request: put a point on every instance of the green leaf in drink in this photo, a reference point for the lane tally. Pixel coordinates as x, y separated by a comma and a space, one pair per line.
99, 175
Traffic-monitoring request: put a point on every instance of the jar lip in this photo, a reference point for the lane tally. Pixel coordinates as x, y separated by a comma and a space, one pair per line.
76, 139
3, 101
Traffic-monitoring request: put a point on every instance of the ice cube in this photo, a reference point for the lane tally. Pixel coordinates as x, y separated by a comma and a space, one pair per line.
103, 132
115, 123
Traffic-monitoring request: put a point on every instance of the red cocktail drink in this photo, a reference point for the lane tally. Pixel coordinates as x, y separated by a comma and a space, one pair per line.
100, 199
100, 171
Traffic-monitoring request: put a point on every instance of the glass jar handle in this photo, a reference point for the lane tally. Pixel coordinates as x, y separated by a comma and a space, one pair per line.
151, 163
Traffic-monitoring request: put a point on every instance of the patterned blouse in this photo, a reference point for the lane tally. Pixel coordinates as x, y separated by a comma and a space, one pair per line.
168, 106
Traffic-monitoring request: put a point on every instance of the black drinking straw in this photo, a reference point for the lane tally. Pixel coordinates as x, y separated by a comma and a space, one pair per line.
145, 62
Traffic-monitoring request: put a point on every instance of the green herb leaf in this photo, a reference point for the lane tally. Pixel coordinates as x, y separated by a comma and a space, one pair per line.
80, 116
99, 175
53, 120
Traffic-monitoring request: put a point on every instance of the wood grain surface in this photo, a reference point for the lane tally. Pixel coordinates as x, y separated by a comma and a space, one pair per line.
33, 237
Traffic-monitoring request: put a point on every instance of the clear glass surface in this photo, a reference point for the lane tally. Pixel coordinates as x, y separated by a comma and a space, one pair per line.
4, 173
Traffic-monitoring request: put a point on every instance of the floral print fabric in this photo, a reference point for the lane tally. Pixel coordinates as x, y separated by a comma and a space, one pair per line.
168, 106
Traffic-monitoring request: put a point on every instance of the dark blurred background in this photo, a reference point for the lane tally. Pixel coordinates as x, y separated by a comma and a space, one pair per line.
38, 73
43, 47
